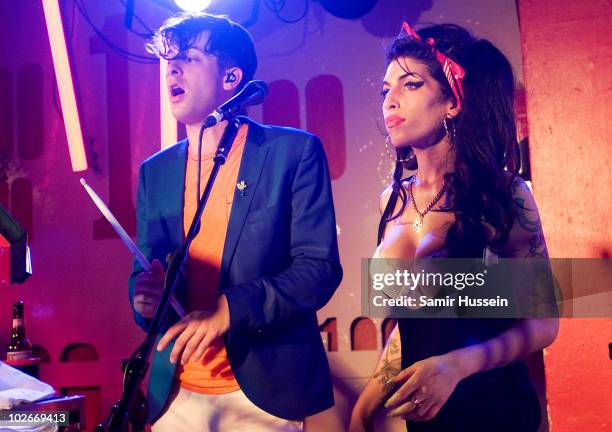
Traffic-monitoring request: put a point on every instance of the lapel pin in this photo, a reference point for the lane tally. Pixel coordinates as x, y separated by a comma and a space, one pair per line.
241, 186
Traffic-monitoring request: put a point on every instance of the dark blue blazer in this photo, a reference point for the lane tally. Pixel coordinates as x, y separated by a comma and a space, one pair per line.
280, 265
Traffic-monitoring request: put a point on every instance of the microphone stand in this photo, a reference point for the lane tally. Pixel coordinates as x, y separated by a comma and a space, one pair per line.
136, 367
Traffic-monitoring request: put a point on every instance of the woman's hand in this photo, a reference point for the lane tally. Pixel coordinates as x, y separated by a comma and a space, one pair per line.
424, 388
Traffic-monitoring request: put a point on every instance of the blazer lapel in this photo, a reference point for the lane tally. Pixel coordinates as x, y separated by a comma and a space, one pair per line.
251, 165
176, 191
172, 202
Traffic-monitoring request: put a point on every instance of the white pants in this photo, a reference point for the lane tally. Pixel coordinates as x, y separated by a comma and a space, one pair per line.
191, 411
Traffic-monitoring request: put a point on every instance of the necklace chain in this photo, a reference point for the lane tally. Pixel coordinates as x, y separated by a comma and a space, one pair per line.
418, 224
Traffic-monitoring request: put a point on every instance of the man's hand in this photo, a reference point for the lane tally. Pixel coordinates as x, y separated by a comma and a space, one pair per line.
195, 332
148, 290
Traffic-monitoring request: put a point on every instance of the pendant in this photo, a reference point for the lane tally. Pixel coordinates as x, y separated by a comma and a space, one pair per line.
417, 225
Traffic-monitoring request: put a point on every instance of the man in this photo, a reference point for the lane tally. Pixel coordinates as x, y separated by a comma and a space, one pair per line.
249, 352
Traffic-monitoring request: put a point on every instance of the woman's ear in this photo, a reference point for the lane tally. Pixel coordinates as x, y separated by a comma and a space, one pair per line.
452, 109
232, 78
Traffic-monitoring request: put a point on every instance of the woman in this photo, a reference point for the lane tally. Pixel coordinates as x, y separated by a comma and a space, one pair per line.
447, 104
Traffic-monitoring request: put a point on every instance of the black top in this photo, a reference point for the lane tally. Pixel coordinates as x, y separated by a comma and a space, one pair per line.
500, 399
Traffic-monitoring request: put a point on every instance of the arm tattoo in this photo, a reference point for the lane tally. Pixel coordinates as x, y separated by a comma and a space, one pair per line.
390, 367
537, 246
529, 220
522, 214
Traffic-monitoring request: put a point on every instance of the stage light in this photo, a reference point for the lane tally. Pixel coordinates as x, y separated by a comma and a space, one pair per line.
65, 87
193, 5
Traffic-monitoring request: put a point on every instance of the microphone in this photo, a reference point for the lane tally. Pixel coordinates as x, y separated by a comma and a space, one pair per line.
253, 93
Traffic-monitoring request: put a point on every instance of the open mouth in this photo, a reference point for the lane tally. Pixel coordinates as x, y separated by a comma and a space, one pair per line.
176, 90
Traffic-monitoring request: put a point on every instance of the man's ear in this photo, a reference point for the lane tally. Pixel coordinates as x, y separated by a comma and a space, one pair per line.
232, 78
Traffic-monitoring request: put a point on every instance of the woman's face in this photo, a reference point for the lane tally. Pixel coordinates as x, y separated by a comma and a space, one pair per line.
414, 106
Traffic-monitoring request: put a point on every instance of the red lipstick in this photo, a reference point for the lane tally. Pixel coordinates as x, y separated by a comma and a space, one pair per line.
393, 121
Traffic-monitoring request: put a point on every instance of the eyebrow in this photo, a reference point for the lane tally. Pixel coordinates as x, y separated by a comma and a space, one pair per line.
404, 76
191, 47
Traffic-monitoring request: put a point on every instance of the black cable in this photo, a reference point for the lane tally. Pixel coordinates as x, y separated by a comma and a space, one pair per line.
71, 32
277, 6
117, 50
199, 159
54, 97
149, 33
254, 15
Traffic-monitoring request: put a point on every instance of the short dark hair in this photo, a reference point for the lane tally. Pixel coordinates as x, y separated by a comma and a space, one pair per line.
228, 41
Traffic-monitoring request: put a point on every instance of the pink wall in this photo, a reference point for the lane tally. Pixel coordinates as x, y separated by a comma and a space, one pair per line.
567, 53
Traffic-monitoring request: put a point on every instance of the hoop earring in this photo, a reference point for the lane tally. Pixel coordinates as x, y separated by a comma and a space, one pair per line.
451, 132
391, 156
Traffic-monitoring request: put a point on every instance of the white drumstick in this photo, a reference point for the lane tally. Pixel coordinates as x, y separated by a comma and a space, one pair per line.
127, 240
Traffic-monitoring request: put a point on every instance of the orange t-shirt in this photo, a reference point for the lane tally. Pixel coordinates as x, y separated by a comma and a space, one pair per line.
212, 374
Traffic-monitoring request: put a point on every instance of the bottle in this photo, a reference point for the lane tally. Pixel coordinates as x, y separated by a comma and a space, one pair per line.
19, 347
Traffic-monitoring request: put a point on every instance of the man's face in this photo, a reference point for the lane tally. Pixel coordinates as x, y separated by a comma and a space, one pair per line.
195, 82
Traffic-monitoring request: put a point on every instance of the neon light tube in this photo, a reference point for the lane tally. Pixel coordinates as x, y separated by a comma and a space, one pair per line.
65, 85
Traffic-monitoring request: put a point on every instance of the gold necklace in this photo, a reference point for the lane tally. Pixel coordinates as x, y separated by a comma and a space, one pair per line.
417, 225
